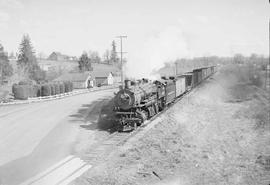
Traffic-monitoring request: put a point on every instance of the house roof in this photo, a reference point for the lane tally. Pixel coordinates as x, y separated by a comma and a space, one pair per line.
103, 70
100, 74
81, 77
74, 77
58, 55
105, 67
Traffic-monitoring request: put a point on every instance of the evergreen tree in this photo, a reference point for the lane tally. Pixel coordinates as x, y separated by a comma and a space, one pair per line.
6, 69
85, 63
26, 56
27, 61
113, 58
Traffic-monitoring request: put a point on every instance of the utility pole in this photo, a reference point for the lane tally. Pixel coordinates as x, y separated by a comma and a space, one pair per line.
267, 77
175, 69
121, 55
1, 74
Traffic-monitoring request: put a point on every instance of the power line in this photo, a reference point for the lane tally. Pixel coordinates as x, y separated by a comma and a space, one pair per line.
121, 53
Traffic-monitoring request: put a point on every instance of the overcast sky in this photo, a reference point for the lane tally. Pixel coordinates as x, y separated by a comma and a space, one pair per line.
204, 27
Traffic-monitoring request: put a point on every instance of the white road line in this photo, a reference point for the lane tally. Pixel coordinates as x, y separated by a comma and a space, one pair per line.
61, 173
75, 175
42, 174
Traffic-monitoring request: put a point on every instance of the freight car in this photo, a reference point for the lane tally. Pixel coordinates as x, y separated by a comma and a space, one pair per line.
138, 101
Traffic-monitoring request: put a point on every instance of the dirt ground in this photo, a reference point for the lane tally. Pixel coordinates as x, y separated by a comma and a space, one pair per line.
217, 134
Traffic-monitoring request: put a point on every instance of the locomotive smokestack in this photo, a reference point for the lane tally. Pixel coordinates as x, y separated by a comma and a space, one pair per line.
127, 84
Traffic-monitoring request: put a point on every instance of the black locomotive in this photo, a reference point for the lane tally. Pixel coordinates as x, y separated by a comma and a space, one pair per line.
138, 101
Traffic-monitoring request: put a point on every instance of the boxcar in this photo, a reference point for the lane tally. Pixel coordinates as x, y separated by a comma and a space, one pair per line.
209, 71
212, 69
180, 85
170, 91
189, 80
204, 73
200, 77
195, 79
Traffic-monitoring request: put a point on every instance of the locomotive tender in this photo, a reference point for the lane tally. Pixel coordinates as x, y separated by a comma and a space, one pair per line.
137, 102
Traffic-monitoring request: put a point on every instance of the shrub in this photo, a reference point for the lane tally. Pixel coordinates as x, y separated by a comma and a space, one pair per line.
21, 92
67, 86
26, 82
31, 91
62, 87
52, 89
57, 88
39, 90
71, 86
23, 83
36, 90
13, 87
46, 90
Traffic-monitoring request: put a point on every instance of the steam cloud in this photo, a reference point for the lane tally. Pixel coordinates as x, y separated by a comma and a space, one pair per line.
167, 46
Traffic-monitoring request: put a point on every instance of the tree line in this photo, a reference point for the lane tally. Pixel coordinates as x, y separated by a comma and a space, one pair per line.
109, 57
28, 68
27, 65
184, 65
6, 69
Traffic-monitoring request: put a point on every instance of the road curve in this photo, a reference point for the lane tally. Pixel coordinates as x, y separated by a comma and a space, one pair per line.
35, 136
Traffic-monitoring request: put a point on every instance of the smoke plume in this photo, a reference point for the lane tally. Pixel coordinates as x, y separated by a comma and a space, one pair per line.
166, 46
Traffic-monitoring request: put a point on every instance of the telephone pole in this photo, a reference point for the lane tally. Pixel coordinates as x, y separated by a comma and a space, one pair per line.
267, 77
121, 58
175, 69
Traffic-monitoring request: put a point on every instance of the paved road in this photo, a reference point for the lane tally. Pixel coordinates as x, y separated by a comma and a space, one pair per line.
34, 136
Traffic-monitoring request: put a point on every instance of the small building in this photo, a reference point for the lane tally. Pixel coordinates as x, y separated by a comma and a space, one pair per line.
79, 80
58, 56
116, 77
102, 78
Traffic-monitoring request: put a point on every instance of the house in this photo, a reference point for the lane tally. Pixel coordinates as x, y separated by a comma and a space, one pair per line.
102, 74
114, 70
102, 78
87, 79
116, 77
79, 80
58, 56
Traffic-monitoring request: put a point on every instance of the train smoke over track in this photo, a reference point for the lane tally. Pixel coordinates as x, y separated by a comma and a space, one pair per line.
166, 46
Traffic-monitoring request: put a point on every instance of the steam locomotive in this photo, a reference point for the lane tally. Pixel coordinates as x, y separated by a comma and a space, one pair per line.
138, 101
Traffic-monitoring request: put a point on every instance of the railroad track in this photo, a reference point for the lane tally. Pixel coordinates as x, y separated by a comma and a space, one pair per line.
100, 151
